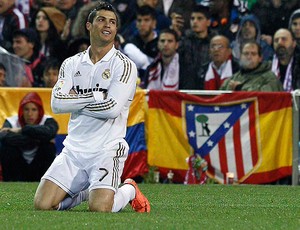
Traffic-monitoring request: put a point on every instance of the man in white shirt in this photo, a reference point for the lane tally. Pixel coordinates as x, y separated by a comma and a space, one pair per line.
163, 73
96, 86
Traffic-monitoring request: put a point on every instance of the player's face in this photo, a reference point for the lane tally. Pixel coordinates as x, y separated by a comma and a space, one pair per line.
167, 44
104, 27
30, 113
199, 23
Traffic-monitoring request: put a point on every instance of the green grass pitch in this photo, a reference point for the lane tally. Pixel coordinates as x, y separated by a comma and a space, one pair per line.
173, 207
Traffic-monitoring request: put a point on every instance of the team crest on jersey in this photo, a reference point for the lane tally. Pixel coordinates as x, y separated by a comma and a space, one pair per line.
106, 74
59, 85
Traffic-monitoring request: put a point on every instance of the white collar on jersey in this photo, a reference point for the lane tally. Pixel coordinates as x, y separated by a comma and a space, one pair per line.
106, 58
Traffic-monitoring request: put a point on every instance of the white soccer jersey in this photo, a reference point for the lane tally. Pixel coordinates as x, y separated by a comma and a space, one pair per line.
99, 110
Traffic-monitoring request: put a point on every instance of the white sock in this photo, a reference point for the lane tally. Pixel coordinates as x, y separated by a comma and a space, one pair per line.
122, 197
70, 202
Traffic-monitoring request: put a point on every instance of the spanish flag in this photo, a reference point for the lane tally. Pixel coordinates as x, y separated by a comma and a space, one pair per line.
248, 134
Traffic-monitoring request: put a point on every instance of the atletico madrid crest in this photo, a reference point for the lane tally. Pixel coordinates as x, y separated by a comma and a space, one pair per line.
225, 134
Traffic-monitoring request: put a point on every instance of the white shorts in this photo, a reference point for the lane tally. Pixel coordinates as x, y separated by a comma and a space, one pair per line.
74, 171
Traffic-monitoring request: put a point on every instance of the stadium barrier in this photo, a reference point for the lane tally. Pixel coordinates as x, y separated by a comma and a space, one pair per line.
253, 135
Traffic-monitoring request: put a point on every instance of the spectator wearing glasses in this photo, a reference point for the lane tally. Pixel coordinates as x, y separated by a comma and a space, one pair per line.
222, 64
254, 75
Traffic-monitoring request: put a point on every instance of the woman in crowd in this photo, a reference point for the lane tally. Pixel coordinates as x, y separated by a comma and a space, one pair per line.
49, 23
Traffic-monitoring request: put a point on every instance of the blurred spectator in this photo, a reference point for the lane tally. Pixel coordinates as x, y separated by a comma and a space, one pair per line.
162, 21
77, 45
24, 7
294, 26
26, 45
79, 28
141, 60
194, 48
255, 75
27, 141
70, 8
222, 64
50, 74
15, 74
35, 6
49, 22
49, 3
178, 9
11, 19
163, 73
249, 30
2, 75
286, 64
146, 39
127, 12
273, 14
224, 17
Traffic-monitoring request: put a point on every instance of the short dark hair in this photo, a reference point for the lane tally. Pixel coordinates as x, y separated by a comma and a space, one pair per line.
259, 50
203, 10
103, 6
52, 63
145, 11
170, 31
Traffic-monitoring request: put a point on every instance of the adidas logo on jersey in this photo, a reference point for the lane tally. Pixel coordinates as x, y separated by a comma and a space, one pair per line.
77, 74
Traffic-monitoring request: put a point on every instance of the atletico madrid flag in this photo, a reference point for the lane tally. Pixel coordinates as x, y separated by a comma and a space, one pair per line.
244, 133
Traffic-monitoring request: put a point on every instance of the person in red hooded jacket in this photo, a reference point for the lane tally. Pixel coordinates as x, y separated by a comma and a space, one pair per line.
27, 145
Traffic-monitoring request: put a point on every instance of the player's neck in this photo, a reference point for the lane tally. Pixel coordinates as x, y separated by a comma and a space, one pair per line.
97, 52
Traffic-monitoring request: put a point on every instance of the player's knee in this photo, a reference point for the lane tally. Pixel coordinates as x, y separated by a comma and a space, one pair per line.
42, 204
101, 207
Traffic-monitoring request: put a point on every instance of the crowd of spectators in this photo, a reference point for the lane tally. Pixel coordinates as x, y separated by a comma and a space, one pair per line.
39, 33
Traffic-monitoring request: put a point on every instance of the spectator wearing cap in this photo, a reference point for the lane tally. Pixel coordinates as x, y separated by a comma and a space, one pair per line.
49, 23
11, 19
26, 45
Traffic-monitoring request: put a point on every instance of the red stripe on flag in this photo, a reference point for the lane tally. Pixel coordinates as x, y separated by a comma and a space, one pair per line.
135, 165
269, 176
223, 157
238, 150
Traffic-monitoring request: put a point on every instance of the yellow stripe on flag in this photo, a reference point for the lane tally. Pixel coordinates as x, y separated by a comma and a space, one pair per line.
276, 135
167, 144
